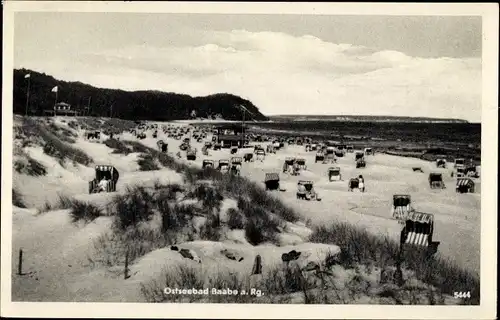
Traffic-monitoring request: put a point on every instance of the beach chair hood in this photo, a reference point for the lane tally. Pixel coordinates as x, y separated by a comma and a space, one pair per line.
106, 171
272, 176
236, 160
464, 182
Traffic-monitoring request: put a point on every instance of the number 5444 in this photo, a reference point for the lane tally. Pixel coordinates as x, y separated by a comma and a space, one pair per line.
459, 295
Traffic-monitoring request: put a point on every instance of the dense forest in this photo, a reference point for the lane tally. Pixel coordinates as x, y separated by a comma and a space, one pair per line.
136, 105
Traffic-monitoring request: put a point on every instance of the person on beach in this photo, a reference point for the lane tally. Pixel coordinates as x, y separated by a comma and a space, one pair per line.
103, 185
361, 183
301, 190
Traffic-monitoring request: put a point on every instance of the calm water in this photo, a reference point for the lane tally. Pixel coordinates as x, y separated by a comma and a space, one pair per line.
461, 133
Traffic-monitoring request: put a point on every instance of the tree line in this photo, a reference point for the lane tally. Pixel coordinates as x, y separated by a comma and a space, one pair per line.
130, 105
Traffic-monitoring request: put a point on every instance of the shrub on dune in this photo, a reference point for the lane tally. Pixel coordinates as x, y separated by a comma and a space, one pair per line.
178, 277
61, 151
146, 162
138, 205
192, 175
134, 206
167, 192
253, 232
62, 133
260, 226
183, 276
63, 202
209, 195
30, 167
177, 217
17, 199
236, 220
53, 145
170, 220
73, 125
211, 229
82, 211
169, 162
138, 147
117, 146
357, 244
360, 247
239, 186
111, 249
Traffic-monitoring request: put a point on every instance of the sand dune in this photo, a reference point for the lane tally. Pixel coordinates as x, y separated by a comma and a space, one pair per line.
63, 247
457, 216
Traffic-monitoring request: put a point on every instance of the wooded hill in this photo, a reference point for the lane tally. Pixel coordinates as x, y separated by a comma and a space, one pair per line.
131, 105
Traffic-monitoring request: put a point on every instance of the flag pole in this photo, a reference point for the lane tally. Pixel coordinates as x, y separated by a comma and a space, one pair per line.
28, 95
55, 102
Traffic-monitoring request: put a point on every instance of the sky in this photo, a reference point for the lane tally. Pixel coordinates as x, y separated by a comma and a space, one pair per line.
427, 66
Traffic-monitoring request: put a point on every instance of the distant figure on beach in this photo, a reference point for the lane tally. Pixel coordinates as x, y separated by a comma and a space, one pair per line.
301, 190
103, 184
361, 183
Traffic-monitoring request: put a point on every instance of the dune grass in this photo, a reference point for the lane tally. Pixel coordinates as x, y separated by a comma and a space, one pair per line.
73, 124
111, 125
285, 284
134, 206
189, 277
360, 247
82, 211
117, 126
146, 162
144, 220
238, 186
53, 145
236, 219
29, 166
118, 146
17, 199
63, 202
260, 225
62, 133
229, 185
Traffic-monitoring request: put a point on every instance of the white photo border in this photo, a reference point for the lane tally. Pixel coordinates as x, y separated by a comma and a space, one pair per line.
489, 144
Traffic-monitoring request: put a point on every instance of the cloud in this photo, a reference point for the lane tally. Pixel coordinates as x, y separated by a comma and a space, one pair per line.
281, 74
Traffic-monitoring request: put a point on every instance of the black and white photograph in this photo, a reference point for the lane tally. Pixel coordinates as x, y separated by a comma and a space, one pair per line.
250, 155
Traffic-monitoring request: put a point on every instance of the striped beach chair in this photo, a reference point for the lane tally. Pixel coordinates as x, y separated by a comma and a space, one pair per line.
401, 207
418, 230
465, 185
